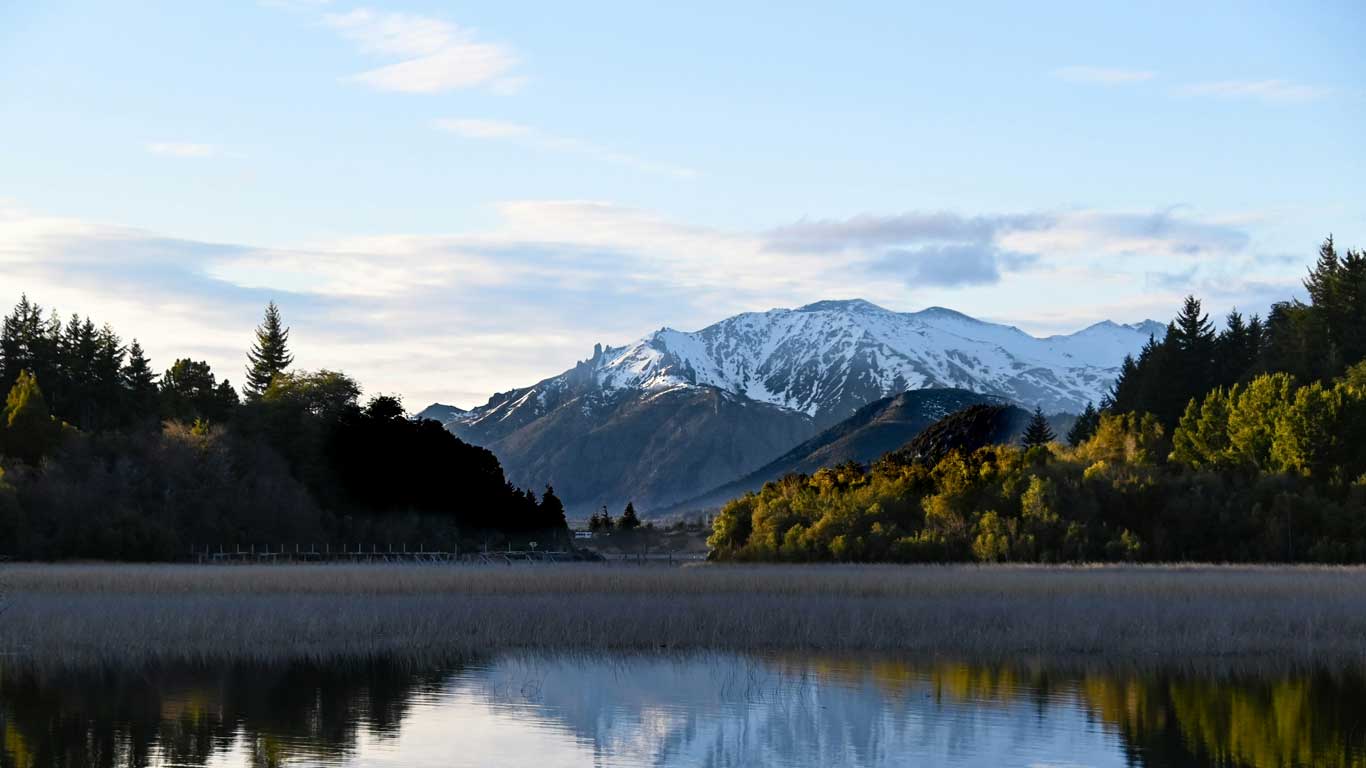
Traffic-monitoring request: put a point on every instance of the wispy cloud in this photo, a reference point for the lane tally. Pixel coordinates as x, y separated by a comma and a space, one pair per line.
1103, 75
1271, 91
183, 149
474, 128
436, 55
478, 128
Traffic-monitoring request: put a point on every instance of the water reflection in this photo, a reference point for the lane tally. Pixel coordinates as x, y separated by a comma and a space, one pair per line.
701, 710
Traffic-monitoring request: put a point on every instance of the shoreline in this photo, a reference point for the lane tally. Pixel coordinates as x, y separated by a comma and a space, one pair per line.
1305, 616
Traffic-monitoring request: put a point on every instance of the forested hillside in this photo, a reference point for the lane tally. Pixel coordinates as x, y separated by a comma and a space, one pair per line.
100, 457
1245, 444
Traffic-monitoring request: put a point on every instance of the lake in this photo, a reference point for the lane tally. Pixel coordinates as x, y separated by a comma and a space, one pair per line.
678, 710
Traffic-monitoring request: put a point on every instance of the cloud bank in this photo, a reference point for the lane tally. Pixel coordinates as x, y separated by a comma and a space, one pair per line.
457, 317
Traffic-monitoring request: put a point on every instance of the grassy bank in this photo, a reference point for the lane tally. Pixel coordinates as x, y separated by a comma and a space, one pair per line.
121, 613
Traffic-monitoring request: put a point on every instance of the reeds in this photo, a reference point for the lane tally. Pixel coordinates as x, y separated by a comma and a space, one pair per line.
122, 613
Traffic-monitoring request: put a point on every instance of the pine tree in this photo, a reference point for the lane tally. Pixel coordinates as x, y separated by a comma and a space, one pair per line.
1323, 280
28, 343
269, 355
139, 385
629, 521
1038, 433
1084, 427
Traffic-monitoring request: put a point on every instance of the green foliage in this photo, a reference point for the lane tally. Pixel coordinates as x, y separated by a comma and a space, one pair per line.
1265, 471
1311, 342
29, 431
269, 355
1252, 415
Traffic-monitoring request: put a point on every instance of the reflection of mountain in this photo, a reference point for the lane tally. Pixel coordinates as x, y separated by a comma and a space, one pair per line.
717, 710
802, 711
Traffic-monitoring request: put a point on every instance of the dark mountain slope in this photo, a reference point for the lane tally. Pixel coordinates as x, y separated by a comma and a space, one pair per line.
873, 430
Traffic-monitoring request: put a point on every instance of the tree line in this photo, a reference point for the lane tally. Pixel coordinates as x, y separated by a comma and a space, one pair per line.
1245, 444
100, 457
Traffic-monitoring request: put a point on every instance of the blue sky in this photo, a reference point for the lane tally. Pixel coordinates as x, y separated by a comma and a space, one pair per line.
453, 199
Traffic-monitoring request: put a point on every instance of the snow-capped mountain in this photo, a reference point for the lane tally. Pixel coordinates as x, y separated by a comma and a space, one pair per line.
830, 358
678, 412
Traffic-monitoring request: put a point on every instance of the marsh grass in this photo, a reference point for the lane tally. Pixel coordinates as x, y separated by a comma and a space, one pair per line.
77, 614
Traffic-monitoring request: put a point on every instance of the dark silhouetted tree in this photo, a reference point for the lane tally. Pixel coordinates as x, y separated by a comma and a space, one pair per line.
141, 396
1038, 432
1084, 427
190, 392
629, 521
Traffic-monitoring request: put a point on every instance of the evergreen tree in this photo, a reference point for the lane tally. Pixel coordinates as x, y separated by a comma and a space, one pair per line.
190, 392
1084, 427
629, 521
1324, 278
269, 355
551, 512
1038, 432
28, 343
1234, 351
139, 385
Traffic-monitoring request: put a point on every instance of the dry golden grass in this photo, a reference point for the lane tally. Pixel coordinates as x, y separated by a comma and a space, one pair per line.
83, 613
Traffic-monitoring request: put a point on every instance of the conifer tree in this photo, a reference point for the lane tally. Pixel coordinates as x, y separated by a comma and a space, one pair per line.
551, 511
1084, 427
269, 355
139, 385
629, 521
1038, 432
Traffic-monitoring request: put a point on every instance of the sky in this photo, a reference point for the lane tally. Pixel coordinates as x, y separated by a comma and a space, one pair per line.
449, 200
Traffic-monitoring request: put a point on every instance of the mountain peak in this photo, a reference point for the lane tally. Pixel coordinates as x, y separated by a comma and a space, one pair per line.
946, 312
841, 305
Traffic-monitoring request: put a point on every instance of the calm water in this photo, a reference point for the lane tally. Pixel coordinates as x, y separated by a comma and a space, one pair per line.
666, 711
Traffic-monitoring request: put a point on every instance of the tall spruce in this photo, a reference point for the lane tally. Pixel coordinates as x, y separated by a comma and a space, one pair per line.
269, 355
1038, 432
139, 386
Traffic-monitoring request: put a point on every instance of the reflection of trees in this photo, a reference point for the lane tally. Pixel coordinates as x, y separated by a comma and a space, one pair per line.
118, 718
788, 705
1189, 719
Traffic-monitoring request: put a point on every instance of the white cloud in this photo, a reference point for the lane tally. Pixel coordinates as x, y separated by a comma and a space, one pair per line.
456, 317
436, 55
477, 128
1103, 75
1271, 91
182, 149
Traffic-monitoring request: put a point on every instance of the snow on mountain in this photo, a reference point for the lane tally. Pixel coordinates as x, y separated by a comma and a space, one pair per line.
828, 359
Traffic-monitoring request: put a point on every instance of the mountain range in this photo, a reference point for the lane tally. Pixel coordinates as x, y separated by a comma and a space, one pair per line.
677, 414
